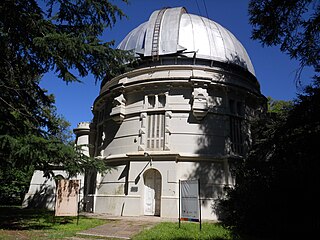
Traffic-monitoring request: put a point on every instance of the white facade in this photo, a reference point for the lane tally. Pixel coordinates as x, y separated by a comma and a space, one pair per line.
182, 113
176, 122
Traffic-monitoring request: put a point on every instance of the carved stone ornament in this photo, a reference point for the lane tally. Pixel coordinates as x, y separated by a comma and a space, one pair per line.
200, 103
142, 131
118, 110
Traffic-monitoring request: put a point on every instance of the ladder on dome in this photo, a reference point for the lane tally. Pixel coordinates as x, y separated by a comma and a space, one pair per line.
155, 37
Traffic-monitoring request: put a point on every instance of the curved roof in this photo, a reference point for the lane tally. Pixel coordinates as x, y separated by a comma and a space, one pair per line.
174, 31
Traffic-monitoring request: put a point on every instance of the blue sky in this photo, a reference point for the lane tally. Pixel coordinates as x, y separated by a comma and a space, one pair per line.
274, 70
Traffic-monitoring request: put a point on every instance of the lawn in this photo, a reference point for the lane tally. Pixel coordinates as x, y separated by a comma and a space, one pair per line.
168, 230
17, 223
190, 231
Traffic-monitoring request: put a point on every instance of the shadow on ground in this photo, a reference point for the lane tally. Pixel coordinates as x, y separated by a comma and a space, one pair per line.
17, 218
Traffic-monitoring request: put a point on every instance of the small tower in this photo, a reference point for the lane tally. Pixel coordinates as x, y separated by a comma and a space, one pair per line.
82, 132
82, 136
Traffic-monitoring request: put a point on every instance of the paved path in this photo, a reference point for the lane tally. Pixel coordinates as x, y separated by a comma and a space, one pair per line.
122, 227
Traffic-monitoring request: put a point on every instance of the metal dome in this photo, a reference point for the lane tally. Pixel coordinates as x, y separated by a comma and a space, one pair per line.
173, 31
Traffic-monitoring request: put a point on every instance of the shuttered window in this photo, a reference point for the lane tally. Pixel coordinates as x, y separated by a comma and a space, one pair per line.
236, 118
236, 135
155, 134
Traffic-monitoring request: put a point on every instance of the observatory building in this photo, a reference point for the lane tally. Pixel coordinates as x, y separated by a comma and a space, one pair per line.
182, 113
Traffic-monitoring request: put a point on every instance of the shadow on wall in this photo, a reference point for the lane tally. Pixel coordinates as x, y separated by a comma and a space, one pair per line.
211, 172
211, 175
89, 188
236, 60
106, 133
216, 145
125, 174
44, 198
102, 129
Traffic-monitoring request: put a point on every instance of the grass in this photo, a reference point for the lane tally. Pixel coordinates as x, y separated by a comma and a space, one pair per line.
168, 230
17, 223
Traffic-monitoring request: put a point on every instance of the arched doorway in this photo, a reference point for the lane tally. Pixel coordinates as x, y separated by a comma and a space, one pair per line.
152, 192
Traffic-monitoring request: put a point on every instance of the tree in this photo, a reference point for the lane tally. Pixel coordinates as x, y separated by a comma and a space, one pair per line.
37, 37
278, 106
291, 24
276, 182
275, 193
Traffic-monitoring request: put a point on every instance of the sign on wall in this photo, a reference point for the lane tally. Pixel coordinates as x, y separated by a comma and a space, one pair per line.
189, 204
67, 197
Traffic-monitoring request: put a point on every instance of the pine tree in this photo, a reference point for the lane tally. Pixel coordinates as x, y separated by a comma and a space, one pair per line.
37, 37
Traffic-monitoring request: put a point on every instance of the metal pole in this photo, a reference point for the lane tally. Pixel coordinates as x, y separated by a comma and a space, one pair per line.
79, 201
199, 203
179, 206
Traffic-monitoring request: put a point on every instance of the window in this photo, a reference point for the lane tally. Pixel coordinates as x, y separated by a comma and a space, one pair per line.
101, 115
161, 101
155, 101
155, 121
236, 114
232, 106
236, 135
99, 139
151, 101
239, 108
155, 133
236, 107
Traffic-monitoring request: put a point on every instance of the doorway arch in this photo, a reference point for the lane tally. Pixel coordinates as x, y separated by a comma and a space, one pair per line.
152, 192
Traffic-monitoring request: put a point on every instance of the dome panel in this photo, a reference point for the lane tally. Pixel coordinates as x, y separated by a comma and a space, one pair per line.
216, 41
201, 39
169, 31
173, 31
135, 39
186, 36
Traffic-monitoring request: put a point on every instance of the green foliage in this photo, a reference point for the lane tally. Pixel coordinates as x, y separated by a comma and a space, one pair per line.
60, 36
37, 37
276, 183
291, 24
14, 183
276, 193
278, 106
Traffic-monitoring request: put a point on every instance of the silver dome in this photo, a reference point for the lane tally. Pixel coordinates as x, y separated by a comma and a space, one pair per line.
174, 31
